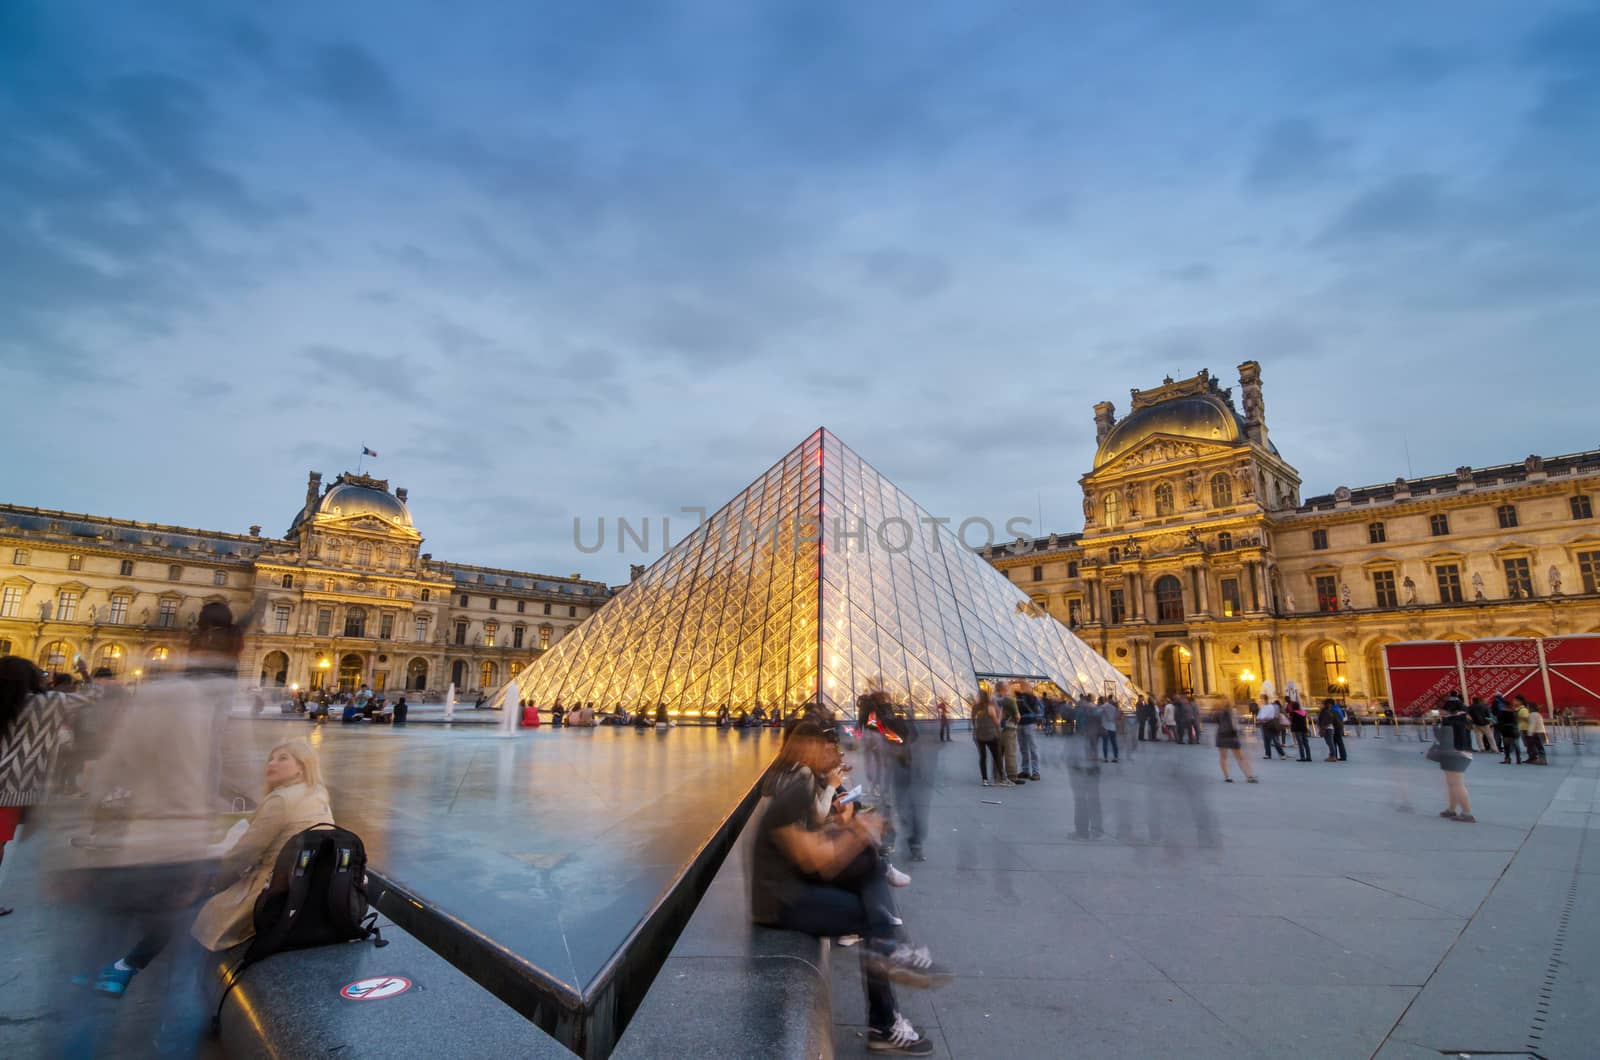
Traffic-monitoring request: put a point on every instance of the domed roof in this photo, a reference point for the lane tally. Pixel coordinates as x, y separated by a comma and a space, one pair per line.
1201, 416
346, 499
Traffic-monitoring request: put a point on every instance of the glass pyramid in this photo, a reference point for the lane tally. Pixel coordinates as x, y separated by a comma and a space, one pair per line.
820, 570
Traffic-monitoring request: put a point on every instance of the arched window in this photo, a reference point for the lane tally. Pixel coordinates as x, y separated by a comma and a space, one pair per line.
417, 675
486, 675
111, 658
364, 554
55, 655
275, 670
355, 622
1224, 542
1112, 509
1169, 599
1335, 670
1221, 490
1163, 495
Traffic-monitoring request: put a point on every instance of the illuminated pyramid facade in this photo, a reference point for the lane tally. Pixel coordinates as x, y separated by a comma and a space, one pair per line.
820, 568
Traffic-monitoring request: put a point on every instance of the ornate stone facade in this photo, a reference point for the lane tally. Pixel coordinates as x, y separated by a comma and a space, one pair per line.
345, 596
1200, 567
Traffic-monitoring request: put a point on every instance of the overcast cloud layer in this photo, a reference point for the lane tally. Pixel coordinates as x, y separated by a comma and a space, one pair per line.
558, 260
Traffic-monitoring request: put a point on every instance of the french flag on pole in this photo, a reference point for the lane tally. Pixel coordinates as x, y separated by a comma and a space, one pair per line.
368, 452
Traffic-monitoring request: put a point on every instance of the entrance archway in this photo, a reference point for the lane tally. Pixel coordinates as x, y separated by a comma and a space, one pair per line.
1177, 670
350, 669
458, 674
417, 675
275, 669
1327, 670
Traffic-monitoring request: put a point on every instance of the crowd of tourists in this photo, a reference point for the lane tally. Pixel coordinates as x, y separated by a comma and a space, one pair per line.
122, 798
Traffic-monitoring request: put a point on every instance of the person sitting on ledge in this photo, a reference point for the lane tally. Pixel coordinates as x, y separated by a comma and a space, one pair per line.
758, 716
741, 720
723, 719
400, 711
662, 721
641, 718
557, 715
828, 880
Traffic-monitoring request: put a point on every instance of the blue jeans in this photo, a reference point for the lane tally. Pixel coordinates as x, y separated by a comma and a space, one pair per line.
828, 912
1027, 750
1108, 739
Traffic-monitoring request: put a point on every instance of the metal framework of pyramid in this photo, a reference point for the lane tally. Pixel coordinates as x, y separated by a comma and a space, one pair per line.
821, 569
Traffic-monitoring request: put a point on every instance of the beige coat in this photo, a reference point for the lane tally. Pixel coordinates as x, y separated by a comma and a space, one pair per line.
227, 919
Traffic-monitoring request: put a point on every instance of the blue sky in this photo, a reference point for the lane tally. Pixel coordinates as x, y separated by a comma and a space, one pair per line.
557, 260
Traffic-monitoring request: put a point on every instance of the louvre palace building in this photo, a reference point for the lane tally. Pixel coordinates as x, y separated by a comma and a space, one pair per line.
345, 597
1202, 569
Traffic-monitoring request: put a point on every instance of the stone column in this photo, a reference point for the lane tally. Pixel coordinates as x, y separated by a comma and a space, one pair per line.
1135, 591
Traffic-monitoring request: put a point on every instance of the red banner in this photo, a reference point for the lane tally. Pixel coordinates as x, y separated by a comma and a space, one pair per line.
1506, 666
1421, 674
1573, 664
1559, 673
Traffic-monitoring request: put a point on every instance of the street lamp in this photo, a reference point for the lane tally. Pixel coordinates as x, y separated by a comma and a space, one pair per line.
1246, 676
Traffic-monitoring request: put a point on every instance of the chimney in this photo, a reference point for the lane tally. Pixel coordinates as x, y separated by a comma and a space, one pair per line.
1255, 410
400, 494
313, 488
255, 530
1105, 418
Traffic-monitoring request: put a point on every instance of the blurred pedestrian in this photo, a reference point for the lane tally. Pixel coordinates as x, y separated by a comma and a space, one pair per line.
1169, 720
1535, 736
1010, 720
1029, 713
1505, 723
1452, 749
1110, 718
1330, 722
1229, 742
1482, 723
944, 722
1269, 719
1300, 726
986, 735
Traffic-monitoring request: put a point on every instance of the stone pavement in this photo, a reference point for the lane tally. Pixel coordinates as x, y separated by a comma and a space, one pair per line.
1335, 915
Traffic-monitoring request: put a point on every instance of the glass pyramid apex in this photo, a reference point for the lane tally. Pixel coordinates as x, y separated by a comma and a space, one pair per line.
819, 578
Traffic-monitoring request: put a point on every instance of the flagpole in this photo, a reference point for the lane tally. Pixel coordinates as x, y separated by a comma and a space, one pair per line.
362, 462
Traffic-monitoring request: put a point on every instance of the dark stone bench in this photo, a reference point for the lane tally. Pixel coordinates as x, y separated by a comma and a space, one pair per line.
730, 988
290, 1004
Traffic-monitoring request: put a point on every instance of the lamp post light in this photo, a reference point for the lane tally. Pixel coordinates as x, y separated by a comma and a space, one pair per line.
1247, 677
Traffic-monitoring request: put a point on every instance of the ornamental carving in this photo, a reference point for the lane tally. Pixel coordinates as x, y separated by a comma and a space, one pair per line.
1161, 452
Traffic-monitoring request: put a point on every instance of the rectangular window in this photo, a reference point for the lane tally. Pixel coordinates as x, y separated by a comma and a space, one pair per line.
74, 562
280, 618
324, 621
1038, 573
386, 627
522, 605
174, 573
426, 595
167, 614
1116, 606
1327, 592
1519, 578
461, 632
1232, 602
1439, 525
11, 602
1377, 533
125, 568
1319, 540
421, 630
572, 612
119, 610
516, 637
355, 622
20, 557
466, 601
494, 603
1074, 613
1072, 568
1588, 570
1507, 514
547, 609
1449, 578
66, 605
1582, 508
219, 577
5, 647
544, 636
1383, 588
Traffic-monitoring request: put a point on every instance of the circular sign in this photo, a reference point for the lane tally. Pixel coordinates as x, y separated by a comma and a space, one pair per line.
376, 989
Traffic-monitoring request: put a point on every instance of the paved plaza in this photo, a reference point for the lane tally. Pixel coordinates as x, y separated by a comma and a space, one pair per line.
1328, 921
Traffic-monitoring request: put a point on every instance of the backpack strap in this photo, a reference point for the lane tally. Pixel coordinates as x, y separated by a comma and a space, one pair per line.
264, 945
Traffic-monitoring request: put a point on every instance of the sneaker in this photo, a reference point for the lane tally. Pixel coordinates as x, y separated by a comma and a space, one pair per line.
907, 964
1033, 776
896, 921
848, 940
1019, 780
1447, 813
1465, 817
918, 855
987, 784
113, 981
1004, 784
902, 1039
1251, 780
895, 877
1227, 780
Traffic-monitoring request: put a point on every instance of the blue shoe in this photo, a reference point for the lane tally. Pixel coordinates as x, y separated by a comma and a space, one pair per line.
112, 980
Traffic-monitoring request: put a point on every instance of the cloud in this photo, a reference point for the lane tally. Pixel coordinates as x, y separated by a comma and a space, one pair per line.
1292, 154
908, 274
1409, 204
350, 77
389, 374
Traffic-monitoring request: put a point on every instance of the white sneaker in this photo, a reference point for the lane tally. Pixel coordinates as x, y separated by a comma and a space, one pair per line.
896, 878
848, 940
896, 921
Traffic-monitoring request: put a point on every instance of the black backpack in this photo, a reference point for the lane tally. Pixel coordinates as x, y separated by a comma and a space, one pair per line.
317, 895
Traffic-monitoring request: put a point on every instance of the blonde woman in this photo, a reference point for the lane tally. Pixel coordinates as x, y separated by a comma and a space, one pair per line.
295, 800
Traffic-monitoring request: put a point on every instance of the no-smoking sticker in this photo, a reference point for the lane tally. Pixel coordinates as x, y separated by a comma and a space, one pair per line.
376, 989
